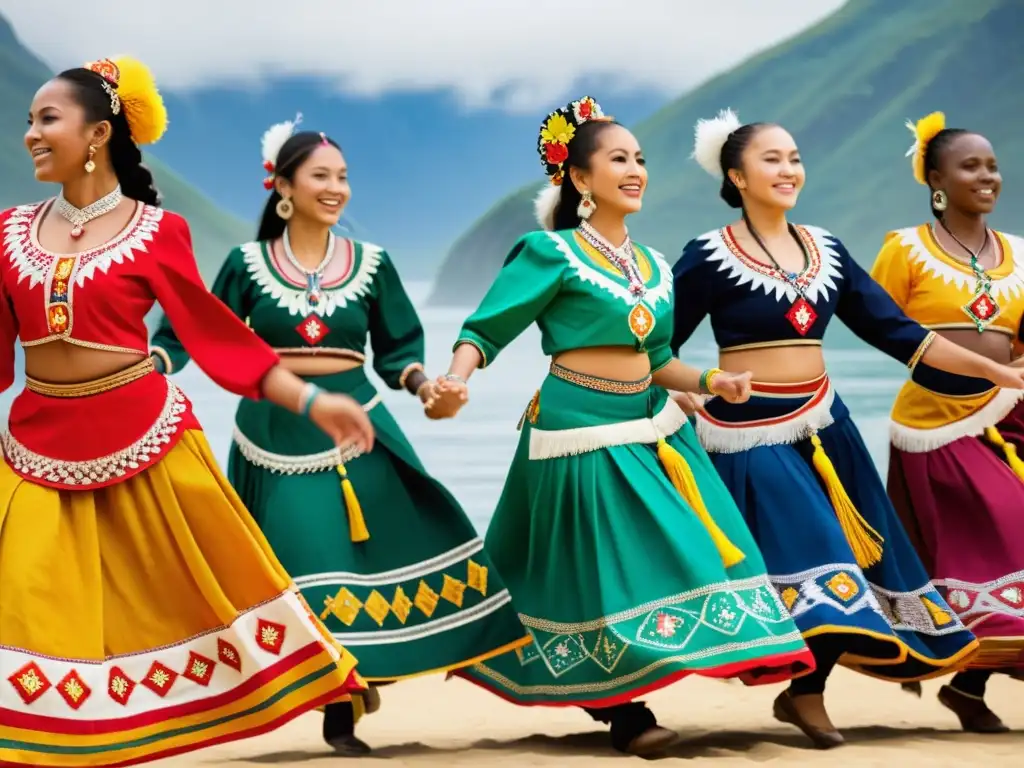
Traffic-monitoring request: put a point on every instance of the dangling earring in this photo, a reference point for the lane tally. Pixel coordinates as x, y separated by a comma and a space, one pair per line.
90, 165
939, 200
285, 209
587, 205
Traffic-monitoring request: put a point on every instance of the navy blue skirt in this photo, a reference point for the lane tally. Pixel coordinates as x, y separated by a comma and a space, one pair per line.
890, 620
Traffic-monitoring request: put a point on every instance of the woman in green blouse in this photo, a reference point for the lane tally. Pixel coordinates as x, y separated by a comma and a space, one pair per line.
627, 558
381, 550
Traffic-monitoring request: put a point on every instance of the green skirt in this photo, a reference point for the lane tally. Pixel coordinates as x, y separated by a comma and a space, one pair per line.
420, 595
615, 576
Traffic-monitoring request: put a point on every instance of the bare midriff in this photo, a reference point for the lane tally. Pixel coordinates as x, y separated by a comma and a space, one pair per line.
314, 365
614, 363
59, 362
994, 345
776, 364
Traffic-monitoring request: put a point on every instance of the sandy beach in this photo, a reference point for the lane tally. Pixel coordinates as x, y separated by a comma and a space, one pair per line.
430, 722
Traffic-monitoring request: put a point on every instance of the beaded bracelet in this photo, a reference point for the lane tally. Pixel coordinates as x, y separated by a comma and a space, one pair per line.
706, 380
309, 393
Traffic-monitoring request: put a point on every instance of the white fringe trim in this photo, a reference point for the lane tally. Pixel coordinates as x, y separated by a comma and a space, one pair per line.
912, 440
552, 444
716, 439
305, 464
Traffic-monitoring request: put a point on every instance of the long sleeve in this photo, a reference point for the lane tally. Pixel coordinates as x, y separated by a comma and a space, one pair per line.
871, 313
222, 345
396, 335
691, 297
526, 284
891, 270
8, 338
229, 287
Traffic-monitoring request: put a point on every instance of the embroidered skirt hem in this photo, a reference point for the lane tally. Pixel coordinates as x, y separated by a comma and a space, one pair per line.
149, 618
962, 505
420, 595
615, 576
896, 624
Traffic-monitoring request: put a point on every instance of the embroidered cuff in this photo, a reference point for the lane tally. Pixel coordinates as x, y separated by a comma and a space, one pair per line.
407, 371
921, 349
479, 345
164, 358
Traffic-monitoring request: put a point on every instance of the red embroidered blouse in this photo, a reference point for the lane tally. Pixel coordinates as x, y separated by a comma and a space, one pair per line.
100, 298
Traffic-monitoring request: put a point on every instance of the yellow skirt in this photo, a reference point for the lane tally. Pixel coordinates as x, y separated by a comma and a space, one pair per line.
149, 618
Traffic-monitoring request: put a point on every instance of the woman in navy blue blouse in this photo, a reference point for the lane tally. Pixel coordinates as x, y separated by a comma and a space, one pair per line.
791, 455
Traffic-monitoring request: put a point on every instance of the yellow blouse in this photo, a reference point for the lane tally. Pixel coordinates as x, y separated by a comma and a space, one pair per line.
939, 291
942, 292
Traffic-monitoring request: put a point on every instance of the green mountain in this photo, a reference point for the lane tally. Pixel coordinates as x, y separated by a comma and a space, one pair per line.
844, 88
214, 233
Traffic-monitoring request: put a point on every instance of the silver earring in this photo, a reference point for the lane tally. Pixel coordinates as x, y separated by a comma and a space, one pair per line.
939, 200
587, 205
285, 209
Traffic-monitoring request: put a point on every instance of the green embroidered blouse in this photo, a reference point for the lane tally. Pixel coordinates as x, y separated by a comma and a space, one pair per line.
577, 297
362, 296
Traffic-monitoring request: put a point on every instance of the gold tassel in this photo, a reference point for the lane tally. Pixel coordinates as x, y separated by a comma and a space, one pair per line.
356, 524
681, 476
864, 540
1009, 451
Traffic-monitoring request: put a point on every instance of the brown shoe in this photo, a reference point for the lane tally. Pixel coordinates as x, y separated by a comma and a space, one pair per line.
973, 712
653, 740
785, 711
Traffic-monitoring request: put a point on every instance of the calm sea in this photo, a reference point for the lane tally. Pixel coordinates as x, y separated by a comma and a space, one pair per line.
471, 453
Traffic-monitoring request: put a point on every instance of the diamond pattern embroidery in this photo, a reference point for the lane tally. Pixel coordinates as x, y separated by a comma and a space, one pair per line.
120, 686
801, 316
344, 605
30, 682
313, 330
73, 690
377, 607
476, 577
199, 669
452, 590
426, 599
160, 679
401, 605
228, 655
270, 636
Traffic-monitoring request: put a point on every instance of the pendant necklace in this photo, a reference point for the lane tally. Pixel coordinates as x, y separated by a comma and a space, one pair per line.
801, 314
314, 277
79, 217
640, 318
983, 308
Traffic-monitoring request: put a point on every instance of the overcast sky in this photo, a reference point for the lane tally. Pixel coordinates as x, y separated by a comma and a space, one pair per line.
515, 54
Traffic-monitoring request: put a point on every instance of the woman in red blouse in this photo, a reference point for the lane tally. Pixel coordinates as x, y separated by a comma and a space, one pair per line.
142, 614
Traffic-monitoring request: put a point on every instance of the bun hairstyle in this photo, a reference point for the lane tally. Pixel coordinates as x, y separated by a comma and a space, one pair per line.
284, 151
567, 139
718, 145
931, 137
123, 92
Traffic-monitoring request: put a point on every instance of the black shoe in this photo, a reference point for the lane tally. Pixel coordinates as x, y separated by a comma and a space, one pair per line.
349, 746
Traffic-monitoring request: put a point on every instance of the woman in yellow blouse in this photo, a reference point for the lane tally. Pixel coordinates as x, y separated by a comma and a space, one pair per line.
955, 475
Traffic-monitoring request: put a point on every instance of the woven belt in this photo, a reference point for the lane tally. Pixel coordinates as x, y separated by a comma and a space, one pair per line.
94, 387
599, 384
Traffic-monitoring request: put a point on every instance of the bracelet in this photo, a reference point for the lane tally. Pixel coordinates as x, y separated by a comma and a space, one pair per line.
454, 377
707, 379
309, 394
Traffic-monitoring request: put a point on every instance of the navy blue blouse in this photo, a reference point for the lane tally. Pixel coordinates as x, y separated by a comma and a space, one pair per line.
751, 304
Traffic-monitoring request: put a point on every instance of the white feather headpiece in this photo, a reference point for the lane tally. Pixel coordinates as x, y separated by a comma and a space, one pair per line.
274, 138
709, 136
544, 206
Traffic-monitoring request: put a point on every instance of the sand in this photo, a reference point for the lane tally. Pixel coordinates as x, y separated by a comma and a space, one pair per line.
430, 722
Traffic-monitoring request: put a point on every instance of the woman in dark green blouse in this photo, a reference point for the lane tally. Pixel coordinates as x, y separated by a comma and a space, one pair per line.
381, 550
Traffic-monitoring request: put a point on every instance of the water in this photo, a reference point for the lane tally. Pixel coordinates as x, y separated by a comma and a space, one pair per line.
471, 453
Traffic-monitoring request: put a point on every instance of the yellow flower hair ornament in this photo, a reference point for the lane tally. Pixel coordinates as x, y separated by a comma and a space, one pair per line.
132, 89
926, 129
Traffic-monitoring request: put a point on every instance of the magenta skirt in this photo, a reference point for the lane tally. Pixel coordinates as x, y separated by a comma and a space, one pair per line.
963, 508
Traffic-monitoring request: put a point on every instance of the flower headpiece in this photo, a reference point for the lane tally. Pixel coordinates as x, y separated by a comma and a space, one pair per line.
926, 129
558, 130
273, 139
709, 136
131, 88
